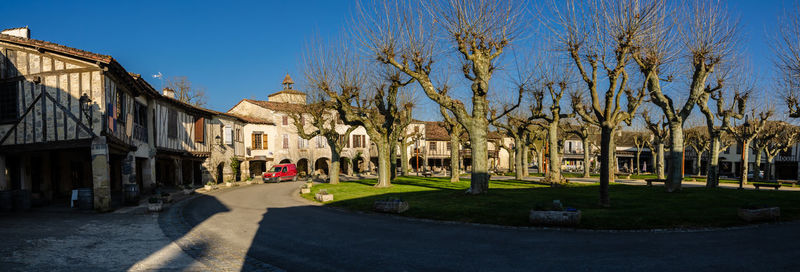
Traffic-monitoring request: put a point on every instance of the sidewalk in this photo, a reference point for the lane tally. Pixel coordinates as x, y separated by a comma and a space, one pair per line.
126, 239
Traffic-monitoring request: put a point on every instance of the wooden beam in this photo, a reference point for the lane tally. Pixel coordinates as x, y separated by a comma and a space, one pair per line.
81, 143
69, 113
28, 110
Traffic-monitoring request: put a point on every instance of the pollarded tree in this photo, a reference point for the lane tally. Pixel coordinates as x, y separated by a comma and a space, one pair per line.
584, 131
401, 34
660, 134
787, 50
697, 138
599, 37
717, 123
455, 130
745, 133
370, 98
639, 141
776, 137
322, 123
708, 36
516, 126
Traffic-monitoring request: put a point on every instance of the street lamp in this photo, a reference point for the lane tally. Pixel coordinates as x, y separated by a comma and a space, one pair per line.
86, 107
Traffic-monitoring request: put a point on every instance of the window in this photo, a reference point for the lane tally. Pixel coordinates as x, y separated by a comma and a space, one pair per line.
120, 114
172, 123
285, 141
227, 133
199, 129
738, 148
238, 134
257, 141
301, 143
432, 146
359, 141
344, 141
8, 102
140, 114
285, 120
321, 142
449, 145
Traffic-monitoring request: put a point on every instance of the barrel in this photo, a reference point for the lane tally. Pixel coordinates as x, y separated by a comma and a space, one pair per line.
6, 201
85, 199
131, 192
22, 200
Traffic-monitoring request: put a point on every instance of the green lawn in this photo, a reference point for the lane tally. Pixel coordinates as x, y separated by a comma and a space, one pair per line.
508, 202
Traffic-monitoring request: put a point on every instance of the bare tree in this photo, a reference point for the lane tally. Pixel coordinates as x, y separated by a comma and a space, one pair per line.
787, 50
601, 35
322, 122
660, 134
455, 130
185, 92
698, 139
400, 34
371, 98
717, 123
639, 141
776, 137
744, 134
584, 131
708, 35
517, 127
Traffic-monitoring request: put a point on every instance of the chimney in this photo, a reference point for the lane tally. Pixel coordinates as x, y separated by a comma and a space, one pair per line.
169, 93
22, 32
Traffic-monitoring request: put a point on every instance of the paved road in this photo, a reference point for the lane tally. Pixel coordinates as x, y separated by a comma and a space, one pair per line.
273, 226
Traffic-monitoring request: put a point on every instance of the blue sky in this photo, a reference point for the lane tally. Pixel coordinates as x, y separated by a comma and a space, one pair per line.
241, 49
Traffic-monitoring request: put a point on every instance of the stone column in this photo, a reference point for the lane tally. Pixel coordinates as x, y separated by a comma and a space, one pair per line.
100, 174
128, 169
244, 169
191, 174
149, 175
178, 171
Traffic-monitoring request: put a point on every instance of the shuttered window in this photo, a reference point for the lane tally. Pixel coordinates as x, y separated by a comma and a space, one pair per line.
433, 146
265, 143
256, 144
285, 141
8, 102
359, 141
199, 129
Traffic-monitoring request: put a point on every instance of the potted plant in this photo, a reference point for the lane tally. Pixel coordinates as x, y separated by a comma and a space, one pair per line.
249, 180
166, 197
154, 204
305, 189
390, 205
554, 214
209, 186
324, 196
752, 213
309, 184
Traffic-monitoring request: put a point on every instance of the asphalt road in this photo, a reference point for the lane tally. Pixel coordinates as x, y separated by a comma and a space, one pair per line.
273, 226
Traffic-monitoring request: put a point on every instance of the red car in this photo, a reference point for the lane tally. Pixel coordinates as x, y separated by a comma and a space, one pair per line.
281, 172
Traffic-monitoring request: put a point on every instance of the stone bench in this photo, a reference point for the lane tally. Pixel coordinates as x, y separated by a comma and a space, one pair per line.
773, 185
651, 181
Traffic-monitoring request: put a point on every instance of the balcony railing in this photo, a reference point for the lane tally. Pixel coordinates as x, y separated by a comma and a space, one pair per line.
467, 153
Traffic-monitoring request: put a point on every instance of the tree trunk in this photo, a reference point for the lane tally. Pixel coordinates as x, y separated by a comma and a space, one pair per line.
768, 172
333, 172
334, 169
455, 173
712, 177
660, 162
519, 150
384, 166
638, 154
554, 167
393, 160
756, 172
745, 165
404, 157
586, 151
606, 163
525, 151
480, 157
675, 177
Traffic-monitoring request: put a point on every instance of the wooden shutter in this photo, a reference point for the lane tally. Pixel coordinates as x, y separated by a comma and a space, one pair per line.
363, 141
253, 141
265, 145
199, 129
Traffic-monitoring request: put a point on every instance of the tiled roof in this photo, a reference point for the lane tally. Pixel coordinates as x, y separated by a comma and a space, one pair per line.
435, 131
56, 48
249, 119
287, 91
288, 80
277, 106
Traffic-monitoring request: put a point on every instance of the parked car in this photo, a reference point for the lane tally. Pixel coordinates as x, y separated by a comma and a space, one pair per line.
281, 172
